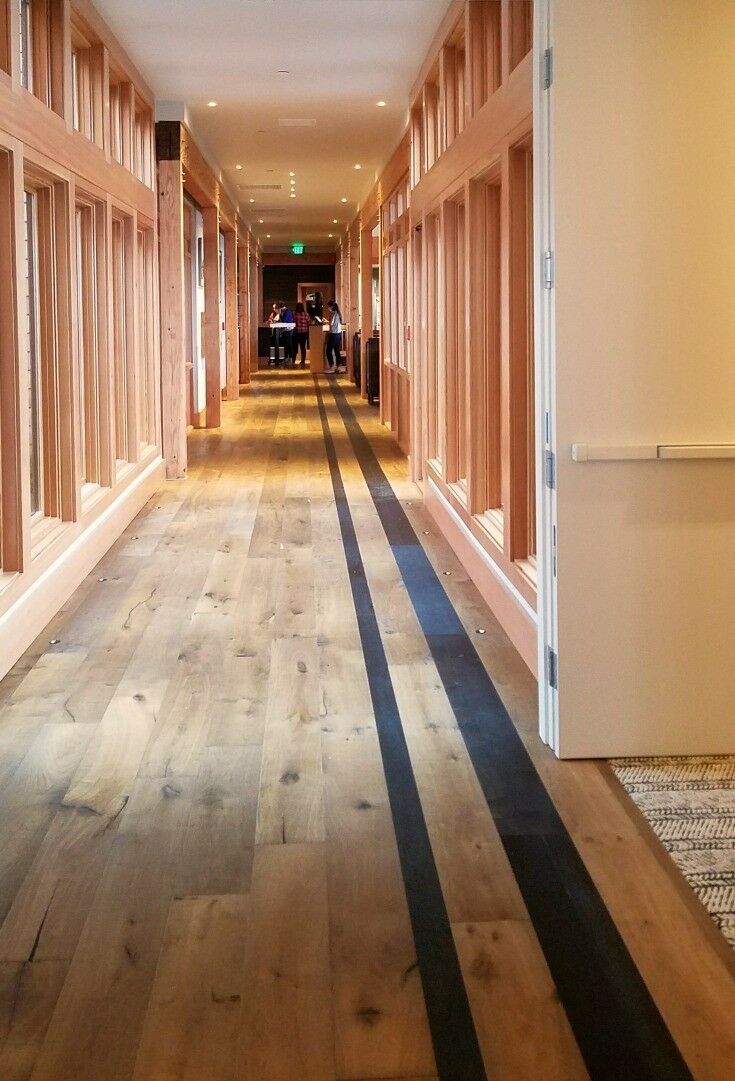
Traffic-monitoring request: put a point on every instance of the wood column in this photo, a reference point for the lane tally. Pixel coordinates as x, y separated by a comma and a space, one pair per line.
243, 272
232, 392
173, 316
256, 297
366, 300
212, 316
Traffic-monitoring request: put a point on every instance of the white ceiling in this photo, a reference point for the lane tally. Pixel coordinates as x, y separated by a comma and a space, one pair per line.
342, 56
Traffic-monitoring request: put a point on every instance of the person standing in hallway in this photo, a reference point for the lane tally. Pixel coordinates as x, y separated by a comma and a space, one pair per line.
301, 334
287, 336
334, 339
273, 317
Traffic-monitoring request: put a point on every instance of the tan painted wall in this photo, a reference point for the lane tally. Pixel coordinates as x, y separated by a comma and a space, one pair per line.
643, 136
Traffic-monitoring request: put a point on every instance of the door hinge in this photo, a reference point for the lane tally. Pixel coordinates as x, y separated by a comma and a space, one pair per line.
550, 469
552, 668
547, 68
548, 270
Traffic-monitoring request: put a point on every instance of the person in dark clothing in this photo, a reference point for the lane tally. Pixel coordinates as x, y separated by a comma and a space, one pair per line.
334, 338
287, 336
301, 334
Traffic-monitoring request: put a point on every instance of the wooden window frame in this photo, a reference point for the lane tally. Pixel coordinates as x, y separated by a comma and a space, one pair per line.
518, 171
517, 32
123, 342
92, 368
147, 337
143, 145
483, 305
42, 50
56, 364
11, 426
433, 349
88, 82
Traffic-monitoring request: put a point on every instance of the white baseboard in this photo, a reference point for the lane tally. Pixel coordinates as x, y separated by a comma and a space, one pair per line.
32, 610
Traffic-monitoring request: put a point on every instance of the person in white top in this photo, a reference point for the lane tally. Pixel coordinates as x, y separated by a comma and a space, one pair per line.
333, 352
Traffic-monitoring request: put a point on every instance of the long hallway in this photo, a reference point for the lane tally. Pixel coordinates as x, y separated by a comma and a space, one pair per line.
268, 818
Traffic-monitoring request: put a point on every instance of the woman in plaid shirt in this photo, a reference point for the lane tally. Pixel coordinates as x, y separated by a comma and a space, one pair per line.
301, 334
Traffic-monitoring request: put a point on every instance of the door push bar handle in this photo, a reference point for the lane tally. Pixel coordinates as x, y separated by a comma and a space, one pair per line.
588, 452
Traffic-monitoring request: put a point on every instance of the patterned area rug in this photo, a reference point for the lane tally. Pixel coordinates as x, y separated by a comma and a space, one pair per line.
690, 805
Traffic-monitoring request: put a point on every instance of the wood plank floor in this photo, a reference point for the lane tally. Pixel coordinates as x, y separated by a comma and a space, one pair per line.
211, 867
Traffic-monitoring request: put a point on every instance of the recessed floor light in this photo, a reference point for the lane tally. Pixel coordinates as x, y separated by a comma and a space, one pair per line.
381, 104
212, 104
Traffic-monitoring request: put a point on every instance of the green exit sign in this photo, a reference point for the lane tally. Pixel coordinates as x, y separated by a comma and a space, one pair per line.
297, 249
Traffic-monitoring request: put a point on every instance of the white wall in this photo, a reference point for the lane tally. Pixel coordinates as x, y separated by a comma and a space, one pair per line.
643, 142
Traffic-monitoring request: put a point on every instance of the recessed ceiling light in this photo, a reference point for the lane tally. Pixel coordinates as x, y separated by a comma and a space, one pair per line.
267, 236
212, 104
238, 166
292, 174
343, 199
252, 200
381, 104
260, 221
331, 235
293, 194
357, 165
334, 221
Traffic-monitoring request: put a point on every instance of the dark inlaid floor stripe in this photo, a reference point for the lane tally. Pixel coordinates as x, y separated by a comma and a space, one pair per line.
454, 1039
618, 1027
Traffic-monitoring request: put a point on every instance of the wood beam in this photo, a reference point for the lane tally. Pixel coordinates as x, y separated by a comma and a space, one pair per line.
173, 317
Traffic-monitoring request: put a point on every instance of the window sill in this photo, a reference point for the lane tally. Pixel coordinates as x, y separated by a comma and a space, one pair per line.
458, 488
91, 494
44, 531
492, 523
528, 568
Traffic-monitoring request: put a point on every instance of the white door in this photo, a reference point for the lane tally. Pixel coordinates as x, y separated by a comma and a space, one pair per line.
548, 659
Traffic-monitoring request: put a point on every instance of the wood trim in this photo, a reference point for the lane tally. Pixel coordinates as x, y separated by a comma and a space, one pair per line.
86, 11
480, 145
11, 409
243, 310
230, 316
35, 597
453, 15
212, 316
489, 578
199, 180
